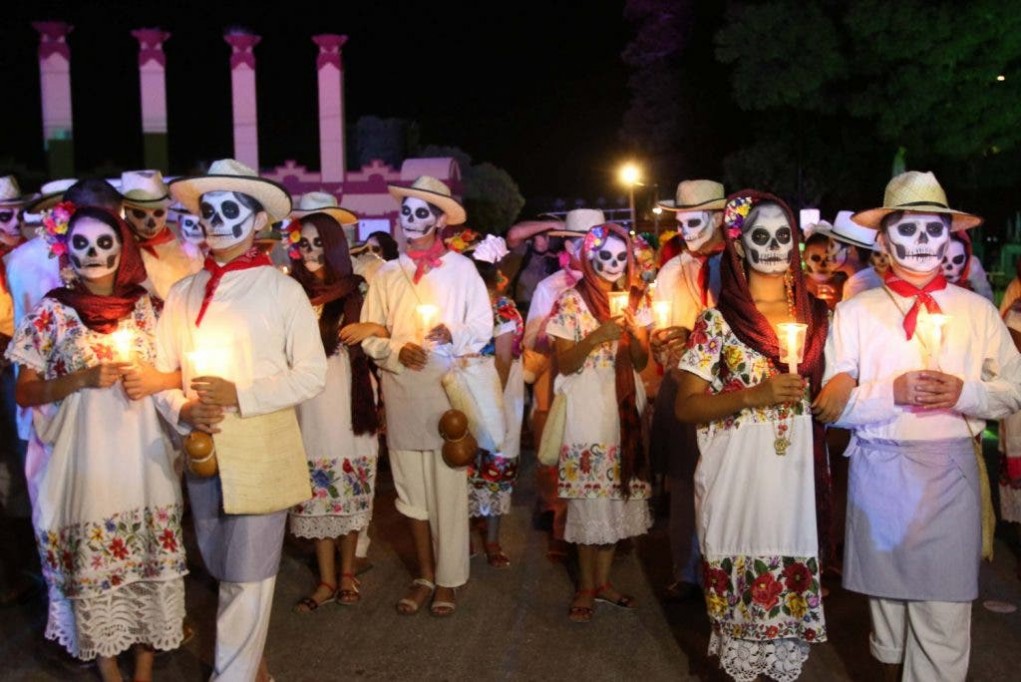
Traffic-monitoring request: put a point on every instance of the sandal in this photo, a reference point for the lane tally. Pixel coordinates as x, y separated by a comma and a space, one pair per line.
412, 606
443, 609
582, 614
349, 597
623, 601
309, 604
495, 555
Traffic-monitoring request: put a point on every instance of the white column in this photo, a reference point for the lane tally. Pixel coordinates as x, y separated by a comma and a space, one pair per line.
242, 77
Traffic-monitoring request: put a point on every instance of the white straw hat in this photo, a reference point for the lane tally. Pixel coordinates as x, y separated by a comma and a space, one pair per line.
432, 191
915, 192
229, 175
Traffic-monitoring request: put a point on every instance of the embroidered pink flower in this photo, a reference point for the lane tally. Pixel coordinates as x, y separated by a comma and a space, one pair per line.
169, 540
118, 548
766, 591
797, 577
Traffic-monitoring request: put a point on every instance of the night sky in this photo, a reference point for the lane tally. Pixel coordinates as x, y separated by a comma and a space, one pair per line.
537, 88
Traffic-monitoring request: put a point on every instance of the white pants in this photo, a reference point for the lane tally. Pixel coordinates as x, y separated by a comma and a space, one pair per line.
429, 490
931, 638
242, 621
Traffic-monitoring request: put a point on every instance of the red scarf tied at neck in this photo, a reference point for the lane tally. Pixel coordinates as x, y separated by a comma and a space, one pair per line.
703, 271
252, 258
427, 259
922, 297
165, 236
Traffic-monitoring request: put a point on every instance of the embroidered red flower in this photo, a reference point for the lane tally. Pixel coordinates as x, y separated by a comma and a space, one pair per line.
717, 580
347, 467
169, 540
766, 591
698, 335
809, 635
116, 579
118, 548
42, 320
797, 577
66, 560
772, 631
102, 351
585, 462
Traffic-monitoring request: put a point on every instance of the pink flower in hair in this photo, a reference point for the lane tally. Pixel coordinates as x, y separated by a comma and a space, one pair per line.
734, 215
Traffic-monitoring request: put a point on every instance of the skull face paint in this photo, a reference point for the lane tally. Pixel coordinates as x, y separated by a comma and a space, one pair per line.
817, 262
226, 220
696, 228
311, 247
954, 261
879, 261
837, 254
94, 248
768, 241
191, 228
417, 219
917, 241
146, 222
610, 260
10, 225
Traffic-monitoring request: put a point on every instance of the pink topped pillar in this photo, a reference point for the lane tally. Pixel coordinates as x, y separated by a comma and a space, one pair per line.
242, 76
332, 155
55, 87
152, 64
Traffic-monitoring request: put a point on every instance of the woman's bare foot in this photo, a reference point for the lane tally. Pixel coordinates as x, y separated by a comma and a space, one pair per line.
419, 592
444, 602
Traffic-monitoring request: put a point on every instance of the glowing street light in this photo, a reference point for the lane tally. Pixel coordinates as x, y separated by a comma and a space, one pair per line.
1001, 78
631, 175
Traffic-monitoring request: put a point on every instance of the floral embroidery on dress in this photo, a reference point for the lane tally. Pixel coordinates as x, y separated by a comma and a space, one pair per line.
492, 473
505, 313
765, 598
339, 487
571, 317
85, 559
592, 470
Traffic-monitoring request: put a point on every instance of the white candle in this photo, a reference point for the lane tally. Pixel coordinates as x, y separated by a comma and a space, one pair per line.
209, 362
930, 326
618, 303
661, 312
123, 343
791, 336
427, 312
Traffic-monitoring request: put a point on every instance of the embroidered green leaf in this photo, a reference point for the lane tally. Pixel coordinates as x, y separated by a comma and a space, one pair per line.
333, 491
774, 612
760, 567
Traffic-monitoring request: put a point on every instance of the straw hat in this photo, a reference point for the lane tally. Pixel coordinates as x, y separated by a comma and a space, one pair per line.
578, 222
323, 202
50, 195
10, 193
435, 192
144, 189
697, 195
847, 231
228, 175
915, 192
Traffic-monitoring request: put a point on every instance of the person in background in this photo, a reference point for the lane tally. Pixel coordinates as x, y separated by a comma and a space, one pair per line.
383, 245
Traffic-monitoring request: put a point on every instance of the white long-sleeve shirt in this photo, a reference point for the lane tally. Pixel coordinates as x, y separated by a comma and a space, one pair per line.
677, 282
171, 264
867, 340
545, 295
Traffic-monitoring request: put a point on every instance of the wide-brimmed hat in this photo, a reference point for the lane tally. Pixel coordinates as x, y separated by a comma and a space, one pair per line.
846, 231
432, 191
697, 195
229, 175
915, 192
144, 189
10, 193
578, 222
323, 202
50, 194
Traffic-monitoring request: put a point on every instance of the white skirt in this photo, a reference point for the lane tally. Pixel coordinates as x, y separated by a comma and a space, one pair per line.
604, 520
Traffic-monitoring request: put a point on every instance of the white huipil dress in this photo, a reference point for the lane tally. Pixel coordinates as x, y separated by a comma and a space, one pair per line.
106, 500
589, 466
755, 516
341, 465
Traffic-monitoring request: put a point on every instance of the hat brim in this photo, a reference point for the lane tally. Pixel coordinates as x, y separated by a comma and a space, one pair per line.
23, 200
341, 215
450, 207
44, 203
273, 197
842, 238
163, 201
872, 218
712, 205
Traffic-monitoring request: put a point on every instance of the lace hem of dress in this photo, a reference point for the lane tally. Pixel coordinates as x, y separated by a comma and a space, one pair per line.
611, 528
322, 527
746, 659
144, 612
488, 503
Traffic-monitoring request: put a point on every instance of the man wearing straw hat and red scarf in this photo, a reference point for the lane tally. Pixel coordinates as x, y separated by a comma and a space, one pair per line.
922, 364
247, 343
423, 344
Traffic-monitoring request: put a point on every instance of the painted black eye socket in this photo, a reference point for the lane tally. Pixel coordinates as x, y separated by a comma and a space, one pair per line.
907, 229
105, 242
935, 229
158, 213
760, 236
304, 245
207, 210
5, 216
422, 213
605, 255
138, 213
695, 222
405, 210
783, 235
79, 242
230, 209
815, 258
959, 259
318, 242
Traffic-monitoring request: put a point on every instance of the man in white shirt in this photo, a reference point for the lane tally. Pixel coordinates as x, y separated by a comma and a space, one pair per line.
918, 389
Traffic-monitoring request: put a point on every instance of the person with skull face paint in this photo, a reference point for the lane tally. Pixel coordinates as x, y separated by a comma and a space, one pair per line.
762, 460
272, 359
824, 281
339, 425
193, 239
414, 360
116, 553
146, 203
961, 267
603, 470
918, 513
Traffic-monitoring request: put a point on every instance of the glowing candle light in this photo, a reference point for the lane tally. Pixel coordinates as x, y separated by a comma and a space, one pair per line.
123, 343
930, 330
618, 303
209, 362
661, 312
427, 313
791, 337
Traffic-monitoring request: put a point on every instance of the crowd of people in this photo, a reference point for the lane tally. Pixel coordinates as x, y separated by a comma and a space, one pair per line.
214, 331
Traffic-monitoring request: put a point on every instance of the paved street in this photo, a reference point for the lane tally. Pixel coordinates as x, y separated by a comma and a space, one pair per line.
511, 624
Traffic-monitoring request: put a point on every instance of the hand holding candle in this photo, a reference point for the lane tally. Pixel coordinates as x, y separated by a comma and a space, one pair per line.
618, 302
661, 313
791, 338
123, 344
930, 330
427, 314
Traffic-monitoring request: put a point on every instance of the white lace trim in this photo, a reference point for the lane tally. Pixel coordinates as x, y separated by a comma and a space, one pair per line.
604, 521
146, 612
488, 503
747, 659
321, 527
1010, 504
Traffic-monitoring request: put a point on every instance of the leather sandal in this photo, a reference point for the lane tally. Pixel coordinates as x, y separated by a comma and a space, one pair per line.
495, 555
349, 597
624, 601
582, 614
412, 606
311, 604
442, 608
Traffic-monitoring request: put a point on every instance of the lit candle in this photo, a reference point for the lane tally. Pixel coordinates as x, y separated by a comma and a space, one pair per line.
123, 343
426, 314
618, 303
661, 312
209, 362
930, 327
285, 269
791, 336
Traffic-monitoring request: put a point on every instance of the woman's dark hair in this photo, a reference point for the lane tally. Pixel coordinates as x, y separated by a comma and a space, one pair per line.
387, 244
95, 213
94, 192
818, 239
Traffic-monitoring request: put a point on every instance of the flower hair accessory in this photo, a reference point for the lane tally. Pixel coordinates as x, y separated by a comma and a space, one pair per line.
645, 257
596, 237
293, 236
462, 240
492, 249
55, 227
734, 215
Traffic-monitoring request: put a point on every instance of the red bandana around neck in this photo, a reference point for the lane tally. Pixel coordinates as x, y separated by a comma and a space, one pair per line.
427, 259
252, 258
165, 236
703, 270
922, 297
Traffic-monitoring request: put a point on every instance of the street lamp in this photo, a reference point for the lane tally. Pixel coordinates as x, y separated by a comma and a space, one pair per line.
631, 175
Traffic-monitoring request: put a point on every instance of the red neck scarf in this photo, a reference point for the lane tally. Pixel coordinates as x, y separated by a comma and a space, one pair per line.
922, 297
427, 259
165, 236
703, 270
252, 258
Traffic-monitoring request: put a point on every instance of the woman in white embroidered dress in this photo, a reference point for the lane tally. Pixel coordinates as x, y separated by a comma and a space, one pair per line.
600, 349
106, 500
339, 425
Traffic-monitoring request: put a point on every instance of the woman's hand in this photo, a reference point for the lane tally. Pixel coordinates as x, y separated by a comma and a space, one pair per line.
201, 416
357, 332
439, 335
668, 345
777, 390
142, 380
832, 399
106, 374
413, 356
608, 331
215, 391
